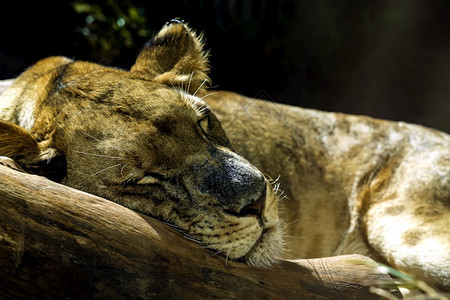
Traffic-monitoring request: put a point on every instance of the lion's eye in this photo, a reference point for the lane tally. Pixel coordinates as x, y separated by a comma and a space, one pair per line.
204, 124
147, 180
151, 178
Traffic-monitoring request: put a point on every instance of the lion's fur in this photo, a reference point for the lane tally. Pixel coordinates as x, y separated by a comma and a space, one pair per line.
353, 184
142, 138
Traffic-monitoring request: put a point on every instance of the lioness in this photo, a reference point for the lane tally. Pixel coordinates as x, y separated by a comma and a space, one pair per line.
144, 138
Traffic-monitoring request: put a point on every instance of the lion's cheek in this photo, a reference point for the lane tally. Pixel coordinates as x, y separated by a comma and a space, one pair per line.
270, 215
243, 241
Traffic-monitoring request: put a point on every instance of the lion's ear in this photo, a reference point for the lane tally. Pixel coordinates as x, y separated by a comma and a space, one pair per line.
37, 158
175, 57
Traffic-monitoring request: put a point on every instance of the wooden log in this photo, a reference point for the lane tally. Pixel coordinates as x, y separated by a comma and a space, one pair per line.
60, 243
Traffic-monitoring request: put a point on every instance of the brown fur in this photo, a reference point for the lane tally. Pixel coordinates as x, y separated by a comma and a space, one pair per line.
353, 184
143, 139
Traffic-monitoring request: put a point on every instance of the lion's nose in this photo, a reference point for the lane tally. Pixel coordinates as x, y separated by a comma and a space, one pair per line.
255, 207
233, 182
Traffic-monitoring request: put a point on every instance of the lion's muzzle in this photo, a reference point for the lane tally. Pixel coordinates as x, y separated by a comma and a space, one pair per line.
238, 187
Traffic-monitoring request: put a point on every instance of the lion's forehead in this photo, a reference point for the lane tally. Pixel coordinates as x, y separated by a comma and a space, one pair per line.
155, 100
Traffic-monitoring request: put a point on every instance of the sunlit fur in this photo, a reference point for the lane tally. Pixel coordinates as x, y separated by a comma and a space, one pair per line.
352, 184
143, 138
146, 139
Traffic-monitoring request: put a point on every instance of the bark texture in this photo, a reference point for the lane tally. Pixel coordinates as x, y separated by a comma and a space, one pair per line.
61, 243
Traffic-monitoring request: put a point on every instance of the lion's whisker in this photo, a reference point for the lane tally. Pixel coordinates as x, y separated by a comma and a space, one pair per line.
207, 95
91, 136
99, 155
98, 140
198, 89
274, 181
282, 199
203, 110
181, 86
201, 246
276, 187
285, 226
172, 85
121, 170
189, 237
288, 248
105, 169
189, 83
161, 69
227, 257
295, 237
280, 194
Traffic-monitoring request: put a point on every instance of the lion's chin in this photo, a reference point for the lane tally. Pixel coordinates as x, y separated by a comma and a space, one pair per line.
268, 250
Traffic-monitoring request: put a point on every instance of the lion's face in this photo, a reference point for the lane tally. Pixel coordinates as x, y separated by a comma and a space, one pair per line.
163, 152
143, 139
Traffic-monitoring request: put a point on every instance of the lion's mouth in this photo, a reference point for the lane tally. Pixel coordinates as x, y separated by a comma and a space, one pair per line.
255, 208
268, 249
262, 233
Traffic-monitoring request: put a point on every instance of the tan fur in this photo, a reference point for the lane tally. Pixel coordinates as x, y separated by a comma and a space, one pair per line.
187, 66
353, 184
144, 139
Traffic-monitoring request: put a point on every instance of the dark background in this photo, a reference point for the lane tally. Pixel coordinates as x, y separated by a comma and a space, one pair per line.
387, 59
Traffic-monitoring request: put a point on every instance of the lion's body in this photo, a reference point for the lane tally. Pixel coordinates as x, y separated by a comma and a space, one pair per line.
352, 184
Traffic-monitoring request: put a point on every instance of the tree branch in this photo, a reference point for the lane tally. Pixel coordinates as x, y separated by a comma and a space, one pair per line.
58, 242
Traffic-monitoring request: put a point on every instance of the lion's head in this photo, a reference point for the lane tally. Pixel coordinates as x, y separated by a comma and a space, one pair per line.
144, 139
